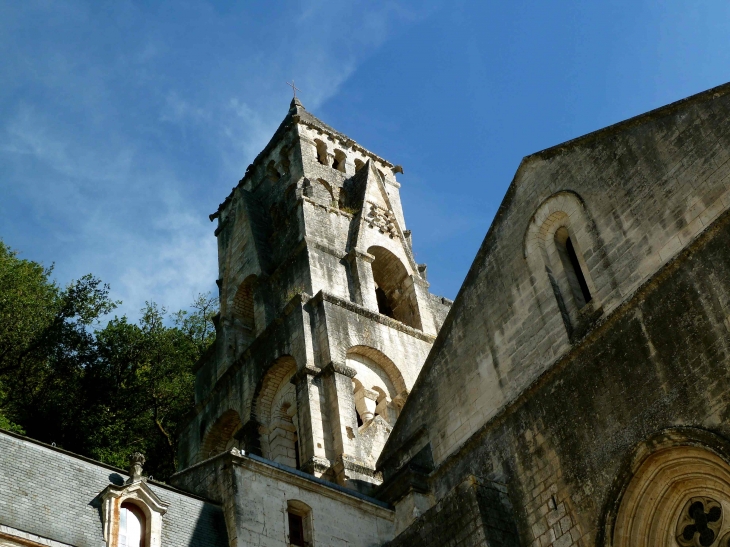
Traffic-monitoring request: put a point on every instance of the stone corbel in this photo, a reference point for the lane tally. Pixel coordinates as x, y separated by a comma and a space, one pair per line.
339, 368
316, 466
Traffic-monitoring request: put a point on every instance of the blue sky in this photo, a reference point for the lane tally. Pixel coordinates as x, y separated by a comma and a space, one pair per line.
124, 124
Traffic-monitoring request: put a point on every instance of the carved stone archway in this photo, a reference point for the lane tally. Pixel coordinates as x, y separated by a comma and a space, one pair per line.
678, 496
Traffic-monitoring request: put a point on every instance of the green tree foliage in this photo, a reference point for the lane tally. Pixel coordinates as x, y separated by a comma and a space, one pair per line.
103, 393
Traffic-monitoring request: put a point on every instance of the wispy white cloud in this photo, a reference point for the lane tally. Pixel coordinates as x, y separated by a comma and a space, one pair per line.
122, 130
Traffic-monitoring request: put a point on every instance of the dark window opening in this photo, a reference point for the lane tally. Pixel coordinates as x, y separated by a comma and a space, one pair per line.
359, 419
296, 530
578, 271
296, 453
321, 151
339, 161
284, 160
271, 172
383, 305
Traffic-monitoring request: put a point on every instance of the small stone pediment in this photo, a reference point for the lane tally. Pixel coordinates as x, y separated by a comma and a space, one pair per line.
137, 492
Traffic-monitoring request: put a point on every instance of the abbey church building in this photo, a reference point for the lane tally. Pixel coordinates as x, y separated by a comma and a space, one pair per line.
575, 394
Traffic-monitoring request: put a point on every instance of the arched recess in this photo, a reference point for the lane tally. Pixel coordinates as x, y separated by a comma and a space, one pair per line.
275, 409
558, 238
220, 436
379, 387
272, 172
244, 311
339, 160
323, 192
321, 151
394, 289
676, 494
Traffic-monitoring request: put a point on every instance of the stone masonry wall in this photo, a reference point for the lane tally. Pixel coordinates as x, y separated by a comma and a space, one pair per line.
658, 367
256, 493
471, 515
633, 195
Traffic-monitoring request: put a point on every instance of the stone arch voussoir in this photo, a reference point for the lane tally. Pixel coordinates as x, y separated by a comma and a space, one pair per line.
216, 437
658, 479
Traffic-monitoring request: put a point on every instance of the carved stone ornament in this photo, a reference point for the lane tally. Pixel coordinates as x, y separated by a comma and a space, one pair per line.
699, 522
382, 219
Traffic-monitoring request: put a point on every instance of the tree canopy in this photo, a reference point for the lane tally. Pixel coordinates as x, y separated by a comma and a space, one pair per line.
103, 391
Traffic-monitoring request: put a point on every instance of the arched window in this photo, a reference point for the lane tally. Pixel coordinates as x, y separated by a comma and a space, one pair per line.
132, 512
299, 524
560, 243
321, 151
132, 526
339, 160
572, 266
359, 164
394, 289
379, 392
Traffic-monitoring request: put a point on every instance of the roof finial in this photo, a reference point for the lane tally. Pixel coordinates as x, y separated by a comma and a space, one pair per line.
136, 461
293, 88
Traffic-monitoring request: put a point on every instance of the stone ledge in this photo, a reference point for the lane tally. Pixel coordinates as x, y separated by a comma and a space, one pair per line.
323, 296
309, 482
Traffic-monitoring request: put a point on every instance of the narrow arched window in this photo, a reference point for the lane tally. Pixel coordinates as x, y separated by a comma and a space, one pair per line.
299, 521
359, 164
296, 529
132, 526
339, 160
572, 266
321, 151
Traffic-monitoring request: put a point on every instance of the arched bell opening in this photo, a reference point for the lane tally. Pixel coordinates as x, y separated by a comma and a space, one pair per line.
395, 291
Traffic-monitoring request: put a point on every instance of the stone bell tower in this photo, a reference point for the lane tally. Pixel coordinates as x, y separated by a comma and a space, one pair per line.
325, 320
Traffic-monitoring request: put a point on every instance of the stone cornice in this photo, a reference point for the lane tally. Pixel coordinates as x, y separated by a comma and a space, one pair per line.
323, 296
308, 482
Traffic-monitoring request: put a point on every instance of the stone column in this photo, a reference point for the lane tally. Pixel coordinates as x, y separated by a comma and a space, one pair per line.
337, 379
362, 279
312, 456
366, 403
423, 301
